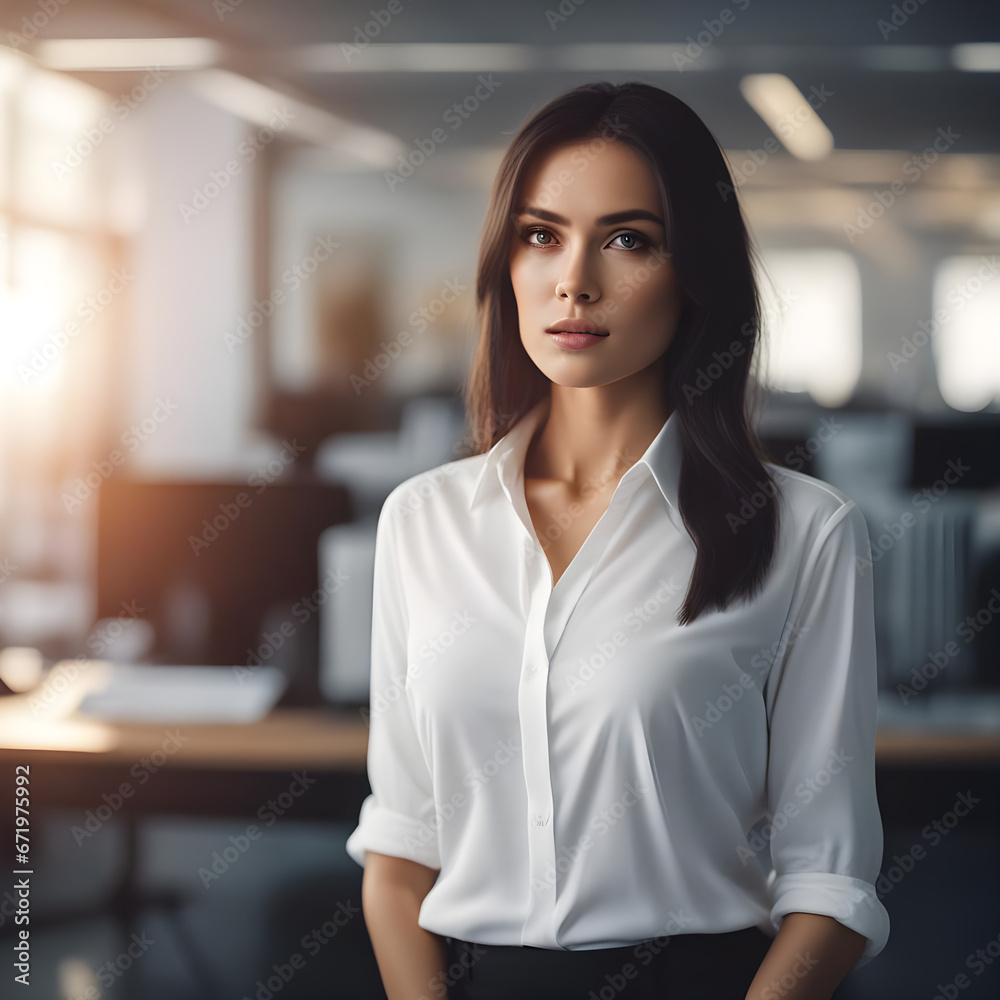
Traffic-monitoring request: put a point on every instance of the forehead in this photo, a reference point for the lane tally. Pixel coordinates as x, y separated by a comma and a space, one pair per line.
590, 172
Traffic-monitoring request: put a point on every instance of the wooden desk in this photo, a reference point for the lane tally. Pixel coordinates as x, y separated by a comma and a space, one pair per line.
216, 770
905, 748
234, 769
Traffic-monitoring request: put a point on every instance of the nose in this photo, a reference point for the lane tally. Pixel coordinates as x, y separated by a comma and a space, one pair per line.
578, 282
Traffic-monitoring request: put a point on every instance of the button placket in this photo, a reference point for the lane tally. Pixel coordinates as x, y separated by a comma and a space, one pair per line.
533, 713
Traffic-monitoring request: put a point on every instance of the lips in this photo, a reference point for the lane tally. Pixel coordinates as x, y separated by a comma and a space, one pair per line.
576, 326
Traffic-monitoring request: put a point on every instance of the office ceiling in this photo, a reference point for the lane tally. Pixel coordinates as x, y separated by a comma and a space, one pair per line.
891, 92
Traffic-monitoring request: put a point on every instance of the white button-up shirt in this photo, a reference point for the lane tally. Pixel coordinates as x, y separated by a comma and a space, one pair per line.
583, 771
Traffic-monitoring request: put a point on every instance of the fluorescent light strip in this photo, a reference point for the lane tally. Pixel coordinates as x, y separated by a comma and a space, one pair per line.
788, 114
258, 103
446, 57
979, 57
126, 53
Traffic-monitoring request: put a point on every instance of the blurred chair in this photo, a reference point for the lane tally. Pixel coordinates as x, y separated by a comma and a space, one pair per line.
347, 551
922, 570
371, 464
226, 573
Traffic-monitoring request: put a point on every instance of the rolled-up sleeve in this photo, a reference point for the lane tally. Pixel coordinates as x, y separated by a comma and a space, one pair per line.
826, 842
397, 818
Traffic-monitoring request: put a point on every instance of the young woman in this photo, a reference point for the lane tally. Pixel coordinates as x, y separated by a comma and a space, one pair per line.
623, 690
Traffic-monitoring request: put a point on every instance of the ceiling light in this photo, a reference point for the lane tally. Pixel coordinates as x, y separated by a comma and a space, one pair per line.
981, 57
126, 53
788, 113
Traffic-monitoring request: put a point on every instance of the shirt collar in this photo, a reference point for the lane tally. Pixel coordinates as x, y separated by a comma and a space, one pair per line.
504, 462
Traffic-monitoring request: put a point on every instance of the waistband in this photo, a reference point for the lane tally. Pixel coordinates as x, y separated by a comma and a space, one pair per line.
677, 955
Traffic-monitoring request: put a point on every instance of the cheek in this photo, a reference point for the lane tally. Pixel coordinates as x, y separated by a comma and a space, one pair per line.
658, 292
518, 274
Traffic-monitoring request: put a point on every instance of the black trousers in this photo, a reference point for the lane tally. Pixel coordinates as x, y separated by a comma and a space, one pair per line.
675, 967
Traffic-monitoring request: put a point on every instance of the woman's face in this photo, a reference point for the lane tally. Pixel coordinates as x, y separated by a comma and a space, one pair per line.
589, 243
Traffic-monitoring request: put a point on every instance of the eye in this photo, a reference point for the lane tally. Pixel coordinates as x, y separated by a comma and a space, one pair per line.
633, 240
526, 235
638, 242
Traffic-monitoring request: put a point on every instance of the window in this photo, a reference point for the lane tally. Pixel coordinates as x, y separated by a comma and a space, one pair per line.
812, 327
57, 256
965, 330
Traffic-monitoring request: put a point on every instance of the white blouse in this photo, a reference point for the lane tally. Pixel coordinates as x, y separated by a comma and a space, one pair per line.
583, 771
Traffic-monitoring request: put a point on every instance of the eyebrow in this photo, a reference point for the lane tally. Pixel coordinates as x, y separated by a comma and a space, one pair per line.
605, 220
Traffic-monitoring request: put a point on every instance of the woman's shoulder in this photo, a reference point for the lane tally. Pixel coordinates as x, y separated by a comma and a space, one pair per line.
441, 488
810, 505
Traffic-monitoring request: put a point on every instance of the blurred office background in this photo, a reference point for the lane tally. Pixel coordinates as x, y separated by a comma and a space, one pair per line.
236, 305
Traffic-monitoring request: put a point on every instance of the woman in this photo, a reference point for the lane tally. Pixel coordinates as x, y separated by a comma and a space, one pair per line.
623, 668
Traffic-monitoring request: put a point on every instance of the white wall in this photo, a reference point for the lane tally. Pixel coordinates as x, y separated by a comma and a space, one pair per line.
192, 283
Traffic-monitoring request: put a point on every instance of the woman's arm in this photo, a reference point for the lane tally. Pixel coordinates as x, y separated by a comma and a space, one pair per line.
410, 959
808, 959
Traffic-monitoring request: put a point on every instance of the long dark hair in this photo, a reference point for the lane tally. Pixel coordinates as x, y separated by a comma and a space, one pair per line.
727, 497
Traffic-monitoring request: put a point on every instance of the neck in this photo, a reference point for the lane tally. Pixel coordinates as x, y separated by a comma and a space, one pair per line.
589, 434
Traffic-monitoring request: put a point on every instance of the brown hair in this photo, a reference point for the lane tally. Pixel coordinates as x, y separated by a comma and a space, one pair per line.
710, 247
